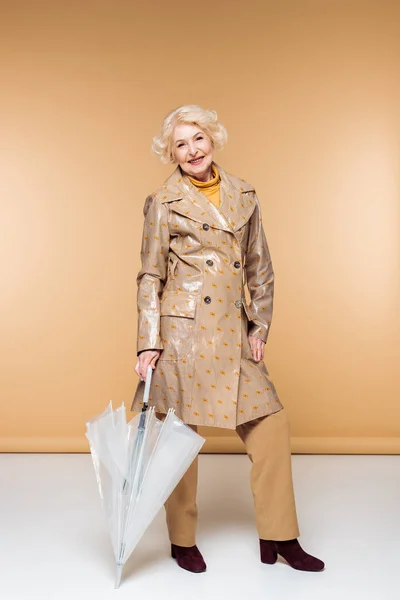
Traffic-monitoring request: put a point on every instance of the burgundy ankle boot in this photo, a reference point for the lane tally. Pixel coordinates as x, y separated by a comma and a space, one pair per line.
292, 552
189, 558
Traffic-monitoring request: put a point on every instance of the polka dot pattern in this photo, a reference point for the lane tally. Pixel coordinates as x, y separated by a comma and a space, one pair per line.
197, 260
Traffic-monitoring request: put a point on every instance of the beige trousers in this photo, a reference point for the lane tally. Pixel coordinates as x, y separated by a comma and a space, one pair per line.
267, 443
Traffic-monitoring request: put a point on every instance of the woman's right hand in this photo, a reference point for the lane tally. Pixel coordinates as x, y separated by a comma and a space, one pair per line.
146, 358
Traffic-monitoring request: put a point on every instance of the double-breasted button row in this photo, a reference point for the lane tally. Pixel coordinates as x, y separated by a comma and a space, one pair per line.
210, 263
238, 303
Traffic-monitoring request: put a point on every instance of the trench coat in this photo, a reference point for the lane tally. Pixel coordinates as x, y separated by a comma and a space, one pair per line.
196, 260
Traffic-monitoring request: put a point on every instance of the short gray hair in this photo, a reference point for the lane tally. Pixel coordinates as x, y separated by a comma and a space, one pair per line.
191, 114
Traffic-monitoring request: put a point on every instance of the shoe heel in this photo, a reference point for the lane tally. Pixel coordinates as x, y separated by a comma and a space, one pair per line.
270, 559
268, 553
173, 552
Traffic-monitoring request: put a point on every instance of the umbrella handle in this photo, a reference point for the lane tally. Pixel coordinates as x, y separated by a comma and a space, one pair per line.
146, 394
149, 374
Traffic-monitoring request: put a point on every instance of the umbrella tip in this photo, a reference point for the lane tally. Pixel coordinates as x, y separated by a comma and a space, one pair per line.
118, 576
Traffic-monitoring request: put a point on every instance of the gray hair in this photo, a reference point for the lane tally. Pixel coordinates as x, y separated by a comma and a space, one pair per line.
191, 114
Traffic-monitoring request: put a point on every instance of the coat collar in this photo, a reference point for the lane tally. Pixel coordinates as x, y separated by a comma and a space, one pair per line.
237, 200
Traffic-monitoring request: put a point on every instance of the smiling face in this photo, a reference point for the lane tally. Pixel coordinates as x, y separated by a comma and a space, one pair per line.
192, 149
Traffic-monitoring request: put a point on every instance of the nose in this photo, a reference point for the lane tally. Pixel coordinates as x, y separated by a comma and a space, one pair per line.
192, 149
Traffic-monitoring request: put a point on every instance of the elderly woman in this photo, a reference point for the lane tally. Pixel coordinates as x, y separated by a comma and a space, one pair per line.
203, 242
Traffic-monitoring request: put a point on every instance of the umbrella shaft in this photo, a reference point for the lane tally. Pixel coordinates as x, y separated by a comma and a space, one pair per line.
121, 554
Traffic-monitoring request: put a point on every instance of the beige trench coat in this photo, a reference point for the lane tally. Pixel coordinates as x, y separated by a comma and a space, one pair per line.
196, 261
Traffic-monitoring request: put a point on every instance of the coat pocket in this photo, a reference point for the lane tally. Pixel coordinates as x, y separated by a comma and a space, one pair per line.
177, 317
247, 310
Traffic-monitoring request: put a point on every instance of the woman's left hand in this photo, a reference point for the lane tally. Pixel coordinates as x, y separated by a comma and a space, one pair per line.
257, 347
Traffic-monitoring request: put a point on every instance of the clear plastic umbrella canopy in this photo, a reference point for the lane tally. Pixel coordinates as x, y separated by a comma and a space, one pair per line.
137, 464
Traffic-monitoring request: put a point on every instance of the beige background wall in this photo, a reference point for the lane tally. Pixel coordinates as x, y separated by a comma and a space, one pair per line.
309, 93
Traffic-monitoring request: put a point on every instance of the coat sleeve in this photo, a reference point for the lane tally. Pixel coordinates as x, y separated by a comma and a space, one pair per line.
153, 274
259, 277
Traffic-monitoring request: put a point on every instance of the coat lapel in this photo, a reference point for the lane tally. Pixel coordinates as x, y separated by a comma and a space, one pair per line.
236, 200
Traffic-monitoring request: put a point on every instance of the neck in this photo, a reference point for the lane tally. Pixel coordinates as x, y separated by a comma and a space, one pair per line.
204, 177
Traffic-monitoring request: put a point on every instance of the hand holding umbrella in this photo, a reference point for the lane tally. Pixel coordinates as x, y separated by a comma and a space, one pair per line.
137, 466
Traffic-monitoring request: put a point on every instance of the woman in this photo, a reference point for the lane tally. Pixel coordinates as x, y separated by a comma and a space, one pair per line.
203, 242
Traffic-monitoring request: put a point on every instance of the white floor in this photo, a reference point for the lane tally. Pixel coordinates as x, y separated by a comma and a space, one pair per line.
54, 543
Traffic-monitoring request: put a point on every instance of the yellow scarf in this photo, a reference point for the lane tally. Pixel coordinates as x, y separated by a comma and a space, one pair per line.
209, 188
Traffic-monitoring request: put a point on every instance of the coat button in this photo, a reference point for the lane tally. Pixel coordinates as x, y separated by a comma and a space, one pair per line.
236, 264
207, 299
206, 226
210, 262
238, 303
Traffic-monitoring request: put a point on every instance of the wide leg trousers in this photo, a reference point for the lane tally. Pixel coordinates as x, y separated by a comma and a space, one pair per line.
267, 442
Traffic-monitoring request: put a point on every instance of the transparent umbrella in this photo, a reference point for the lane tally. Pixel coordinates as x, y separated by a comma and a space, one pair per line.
137, 465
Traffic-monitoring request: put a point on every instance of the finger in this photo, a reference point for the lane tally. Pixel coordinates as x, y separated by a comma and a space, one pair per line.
143, 369
251, 347
258, 350
254, 346
139, 370
149, 362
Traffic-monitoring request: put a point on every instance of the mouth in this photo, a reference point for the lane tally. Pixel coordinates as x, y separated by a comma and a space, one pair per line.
196, 161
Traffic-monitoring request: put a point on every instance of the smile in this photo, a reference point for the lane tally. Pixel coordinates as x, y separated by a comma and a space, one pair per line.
196, 161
